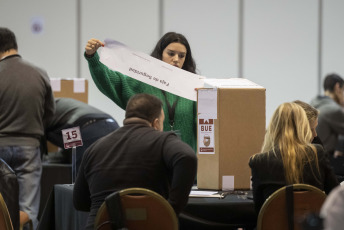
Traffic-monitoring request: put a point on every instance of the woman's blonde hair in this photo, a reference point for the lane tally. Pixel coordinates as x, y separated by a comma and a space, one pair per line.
289, 131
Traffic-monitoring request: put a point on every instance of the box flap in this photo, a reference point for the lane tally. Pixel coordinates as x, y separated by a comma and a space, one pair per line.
231, 83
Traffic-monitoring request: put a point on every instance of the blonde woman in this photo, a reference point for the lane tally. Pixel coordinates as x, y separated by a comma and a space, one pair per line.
288, 157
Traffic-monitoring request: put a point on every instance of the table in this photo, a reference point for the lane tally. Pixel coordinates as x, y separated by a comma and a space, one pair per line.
59, 212
232, 212
53, 173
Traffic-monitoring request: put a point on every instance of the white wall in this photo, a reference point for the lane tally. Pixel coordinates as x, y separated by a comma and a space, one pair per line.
132, 22
211, 28
280, 49
280, 39
333, 37
55, 48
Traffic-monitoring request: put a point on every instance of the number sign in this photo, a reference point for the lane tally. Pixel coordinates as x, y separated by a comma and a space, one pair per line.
71, 137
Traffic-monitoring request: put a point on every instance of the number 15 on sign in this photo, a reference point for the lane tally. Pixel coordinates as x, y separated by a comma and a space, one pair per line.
71, 137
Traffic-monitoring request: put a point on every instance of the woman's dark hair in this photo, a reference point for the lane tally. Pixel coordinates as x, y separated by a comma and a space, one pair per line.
144, 106
7, 40
171, 37
331, 80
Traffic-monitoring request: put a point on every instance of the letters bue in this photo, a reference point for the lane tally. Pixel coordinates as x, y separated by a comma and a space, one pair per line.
207, 128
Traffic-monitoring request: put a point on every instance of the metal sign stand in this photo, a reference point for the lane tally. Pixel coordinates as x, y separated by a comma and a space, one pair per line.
73, 164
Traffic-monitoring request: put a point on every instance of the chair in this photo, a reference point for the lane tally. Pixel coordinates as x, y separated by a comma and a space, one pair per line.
136, 208
5, 219
288, 206
24, 220
10, 192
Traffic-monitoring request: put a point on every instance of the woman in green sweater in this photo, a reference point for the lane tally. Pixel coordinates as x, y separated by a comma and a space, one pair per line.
180, 113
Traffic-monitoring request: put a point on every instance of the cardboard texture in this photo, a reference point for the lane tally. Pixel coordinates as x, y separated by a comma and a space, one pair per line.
68, 88
238, 133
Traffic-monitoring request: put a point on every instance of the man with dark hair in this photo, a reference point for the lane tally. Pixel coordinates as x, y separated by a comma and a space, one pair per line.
331, 121
333, 86
138, 154
26, 105
331, 116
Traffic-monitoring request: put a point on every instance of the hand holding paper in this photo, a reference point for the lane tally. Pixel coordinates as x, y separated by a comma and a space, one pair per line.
92, 46
142, 67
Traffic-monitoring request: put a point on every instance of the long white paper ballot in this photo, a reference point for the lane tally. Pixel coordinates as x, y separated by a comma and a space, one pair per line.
142, 67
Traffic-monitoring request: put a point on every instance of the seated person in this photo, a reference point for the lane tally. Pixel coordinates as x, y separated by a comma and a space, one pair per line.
93, 124
332, 210
138, 154
312, 116
288, 157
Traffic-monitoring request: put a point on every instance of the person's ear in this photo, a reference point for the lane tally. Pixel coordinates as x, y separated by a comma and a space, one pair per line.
156, 124
337, 87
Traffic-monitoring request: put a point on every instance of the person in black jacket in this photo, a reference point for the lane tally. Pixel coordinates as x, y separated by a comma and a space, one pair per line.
288, 157
138, 154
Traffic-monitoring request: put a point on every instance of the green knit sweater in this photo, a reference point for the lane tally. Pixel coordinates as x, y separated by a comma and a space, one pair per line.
119, 88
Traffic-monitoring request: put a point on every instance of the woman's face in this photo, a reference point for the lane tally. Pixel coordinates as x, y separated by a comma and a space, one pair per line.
174, 54
339, 94
313, 124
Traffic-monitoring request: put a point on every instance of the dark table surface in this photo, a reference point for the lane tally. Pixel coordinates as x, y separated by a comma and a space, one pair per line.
53, 173
233, 211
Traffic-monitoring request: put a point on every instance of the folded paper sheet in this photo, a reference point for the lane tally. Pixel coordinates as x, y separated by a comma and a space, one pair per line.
142, 67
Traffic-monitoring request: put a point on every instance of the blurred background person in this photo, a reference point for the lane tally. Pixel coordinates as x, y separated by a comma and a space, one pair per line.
331, 121
331, 117
332, 210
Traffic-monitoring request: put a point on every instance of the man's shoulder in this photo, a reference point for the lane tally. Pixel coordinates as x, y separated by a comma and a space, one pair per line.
22, 65
320, 101
174, 143
326, 105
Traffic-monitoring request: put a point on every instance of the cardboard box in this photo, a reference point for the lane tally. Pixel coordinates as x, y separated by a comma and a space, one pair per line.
76, 88
231, 128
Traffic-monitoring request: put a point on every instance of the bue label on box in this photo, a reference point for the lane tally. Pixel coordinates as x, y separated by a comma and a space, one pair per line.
206, 136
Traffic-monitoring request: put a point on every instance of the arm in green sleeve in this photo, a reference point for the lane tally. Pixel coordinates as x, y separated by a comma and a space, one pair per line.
116, 86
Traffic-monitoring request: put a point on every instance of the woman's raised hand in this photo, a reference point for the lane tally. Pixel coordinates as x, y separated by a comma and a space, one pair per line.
92, 46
